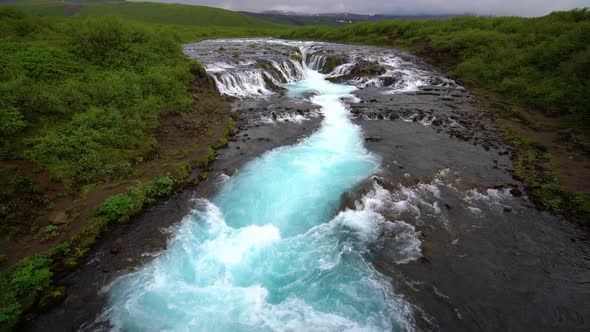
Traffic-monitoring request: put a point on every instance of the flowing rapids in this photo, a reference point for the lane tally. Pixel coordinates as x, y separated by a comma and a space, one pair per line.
267, 253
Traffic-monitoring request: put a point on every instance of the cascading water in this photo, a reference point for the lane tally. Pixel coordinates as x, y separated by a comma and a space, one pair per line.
266, 253
242, 84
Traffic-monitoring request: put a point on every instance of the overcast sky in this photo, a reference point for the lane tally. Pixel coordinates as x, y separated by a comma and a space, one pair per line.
402, 7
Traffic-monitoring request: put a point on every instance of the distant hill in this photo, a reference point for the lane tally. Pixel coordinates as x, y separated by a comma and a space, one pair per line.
149, 12
335, 20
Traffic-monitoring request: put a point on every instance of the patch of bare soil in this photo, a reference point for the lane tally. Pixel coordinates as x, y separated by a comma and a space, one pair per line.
570, 148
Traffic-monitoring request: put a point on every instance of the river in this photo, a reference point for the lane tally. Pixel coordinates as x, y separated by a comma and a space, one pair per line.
365, 192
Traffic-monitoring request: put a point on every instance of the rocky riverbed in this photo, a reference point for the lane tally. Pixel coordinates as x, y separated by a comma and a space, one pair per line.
464, 246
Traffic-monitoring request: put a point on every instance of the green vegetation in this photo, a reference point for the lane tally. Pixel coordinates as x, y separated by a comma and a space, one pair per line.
82, 96
121, 206
17, 191
21, 287
332, 62
543, 62
149, 12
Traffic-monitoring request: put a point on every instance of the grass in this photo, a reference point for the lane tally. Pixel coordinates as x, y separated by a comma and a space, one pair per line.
149, 12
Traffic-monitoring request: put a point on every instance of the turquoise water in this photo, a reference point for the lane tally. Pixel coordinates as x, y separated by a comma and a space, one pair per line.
270, 252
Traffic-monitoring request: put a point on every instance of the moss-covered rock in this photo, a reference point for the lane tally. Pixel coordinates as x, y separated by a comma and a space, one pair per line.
332, 62
365, 68
52, 297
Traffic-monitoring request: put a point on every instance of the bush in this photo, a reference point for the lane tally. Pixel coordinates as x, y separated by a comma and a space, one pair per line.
91, 98
162, 186
31, 275
116, 206
11, 122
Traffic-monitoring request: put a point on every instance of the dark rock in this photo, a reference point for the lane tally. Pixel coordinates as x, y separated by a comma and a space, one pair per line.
516, 192
391, 80
58, 218
373, 139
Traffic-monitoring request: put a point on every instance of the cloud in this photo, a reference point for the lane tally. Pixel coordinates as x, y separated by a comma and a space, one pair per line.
401, 7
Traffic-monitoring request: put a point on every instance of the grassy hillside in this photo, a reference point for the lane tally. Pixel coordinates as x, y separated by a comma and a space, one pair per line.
149, 12
67, 86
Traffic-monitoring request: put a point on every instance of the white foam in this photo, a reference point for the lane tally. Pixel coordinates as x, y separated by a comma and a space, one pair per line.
368, 222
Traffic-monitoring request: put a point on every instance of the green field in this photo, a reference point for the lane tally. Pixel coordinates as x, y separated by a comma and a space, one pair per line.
148, 12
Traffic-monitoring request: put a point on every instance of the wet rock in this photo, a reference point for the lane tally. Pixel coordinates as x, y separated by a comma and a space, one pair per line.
115, 250
332, 62
515, 192
392, 80
462, 135
373, 139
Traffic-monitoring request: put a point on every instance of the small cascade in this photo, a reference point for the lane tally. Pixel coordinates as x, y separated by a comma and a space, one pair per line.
254, 80
243, 73
343, 69
291, 70
241, 83
316, 61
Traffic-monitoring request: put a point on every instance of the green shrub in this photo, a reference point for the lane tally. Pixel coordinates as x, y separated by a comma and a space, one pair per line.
10, 314
116, 206
90, 90
161, 186
222, 143
11, 122
31, 275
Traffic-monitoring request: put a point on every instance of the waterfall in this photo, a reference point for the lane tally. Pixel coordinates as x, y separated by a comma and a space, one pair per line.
316, 61
251, 80
241, 83
291, 71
